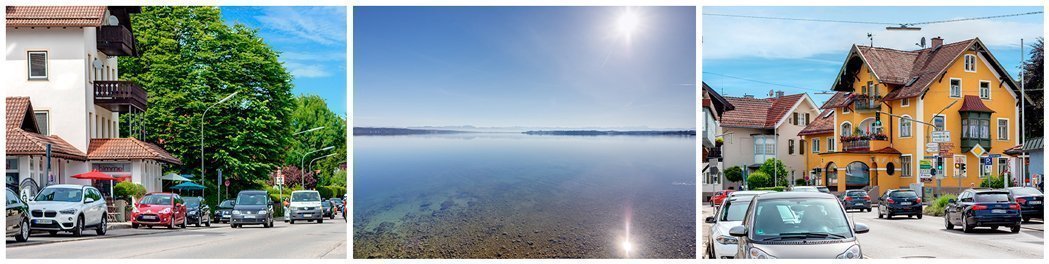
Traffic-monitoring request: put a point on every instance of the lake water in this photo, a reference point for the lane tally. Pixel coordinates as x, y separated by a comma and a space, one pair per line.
522, 196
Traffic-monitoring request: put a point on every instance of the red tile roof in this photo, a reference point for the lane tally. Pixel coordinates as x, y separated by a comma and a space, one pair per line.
925, 67
972, 103
19, 112
55, 16
824, 123
758, 113
127, 149
22, 138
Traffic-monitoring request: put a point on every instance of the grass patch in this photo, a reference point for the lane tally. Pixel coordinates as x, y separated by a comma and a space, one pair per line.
937, 207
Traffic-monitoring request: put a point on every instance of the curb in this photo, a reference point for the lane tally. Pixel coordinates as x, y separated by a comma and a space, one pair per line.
35, 243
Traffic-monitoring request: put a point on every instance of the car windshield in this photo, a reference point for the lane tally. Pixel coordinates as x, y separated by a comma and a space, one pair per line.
192, 201
856, 194
734, 210
904, 194
60, 195
251, 199
1025, 191
227, 204
808, 218
158, 199
326, 204
992, 197
305, 197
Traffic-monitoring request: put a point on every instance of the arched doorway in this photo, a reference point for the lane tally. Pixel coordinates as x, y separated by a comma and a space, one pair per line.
831, 179
857, 175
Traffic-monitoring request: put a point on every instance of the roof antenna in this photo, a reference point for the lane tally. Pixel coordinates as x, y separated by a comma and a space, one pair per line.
921, 44
871, 37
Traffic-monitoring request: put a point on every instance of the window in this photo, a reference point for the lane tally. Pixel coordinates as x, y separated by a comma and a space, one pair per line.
42, 122
830, 144
845, 109
790, 147
1003, 129
939, 122
815, 145
846, 129
764, 148
985, 90
905, 102
970, 63
37, 65
905, 165
794, 119
801, 147
905, 126
806, 119
956, 88
1003, 166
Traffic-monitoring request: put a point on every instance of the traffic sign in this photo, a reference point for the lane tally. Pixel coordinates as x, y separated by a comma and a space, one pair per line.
941, 136
227, 183
280, 180
925, 164
978, 150
932, 147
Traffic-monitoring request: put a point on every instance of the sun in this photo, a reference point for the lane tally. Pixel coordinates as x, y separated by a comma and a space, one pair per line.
627, 23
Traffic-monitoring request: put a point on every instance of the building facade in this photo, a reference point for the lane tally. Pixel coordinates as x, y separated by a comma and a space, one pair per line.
759, 129
64, 82
876, 131
714, 106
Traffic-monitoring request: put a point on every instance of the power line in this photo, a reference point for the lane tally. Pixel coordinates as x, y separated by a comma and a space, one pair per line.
874, 22
973, 18
760, 81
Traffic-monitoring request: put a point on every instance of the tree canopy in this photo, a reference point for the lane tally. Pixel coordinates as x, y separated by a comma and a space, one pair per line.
1034, 70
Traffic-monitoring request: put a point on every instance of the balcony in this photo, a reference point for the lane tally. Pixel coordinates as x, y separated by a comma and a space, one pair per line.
120, 96
116, 41
864, 143
865, 103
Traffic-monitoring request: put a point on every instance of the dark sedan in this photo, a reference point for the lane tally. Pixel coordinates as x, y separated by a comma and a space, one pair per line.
17, 217
900, 202
197, 211
856, 199
1032, 202
328, 209
982, 207
224, 212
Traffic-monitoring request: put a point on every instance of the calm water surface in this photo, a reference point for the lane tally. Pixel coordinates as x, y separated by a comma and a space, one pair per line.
522, 196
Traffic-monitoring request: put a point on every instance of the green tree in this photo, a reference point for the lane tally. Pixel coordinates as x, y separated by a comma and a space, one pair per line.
734, 174
191, 58
774, 168
758, 179
311, 111
992, 182
1034, 70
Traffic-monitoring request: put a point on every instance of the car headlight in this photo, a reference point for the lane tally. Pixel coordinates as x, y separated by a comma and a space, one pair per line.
236, 212
852, 253
166, 211
262, 211
68, 211
727, 240
755, 253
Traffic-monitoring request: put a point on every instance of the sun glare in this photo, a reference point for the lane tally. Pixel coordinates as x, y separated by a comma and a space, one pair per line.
627, 23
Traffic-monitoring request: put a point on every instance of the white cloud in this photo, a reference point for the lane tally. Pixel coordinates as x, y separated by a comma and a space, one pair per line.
727, 38
321, 25
301, 70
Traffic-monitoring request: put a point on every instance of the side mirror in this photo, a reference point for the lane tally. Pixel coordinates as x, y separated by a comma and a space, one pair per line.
738, 231
861, 228
950, 201
711, 220
89, 200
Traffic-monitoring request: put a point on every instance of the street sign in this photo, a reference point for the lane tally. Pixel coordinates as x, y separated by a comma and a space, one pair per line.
941, 136
280, 180
946, 149
227, 183
978, 150
932, 147
925, 164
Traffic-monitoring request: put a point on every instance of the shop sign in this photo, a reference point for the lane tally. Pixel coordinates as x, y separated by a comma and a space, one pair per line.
111, 167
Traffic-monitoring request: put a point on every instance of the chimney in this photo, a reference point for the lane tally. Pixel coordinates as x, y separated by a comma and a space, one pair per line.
779, 94
936, 42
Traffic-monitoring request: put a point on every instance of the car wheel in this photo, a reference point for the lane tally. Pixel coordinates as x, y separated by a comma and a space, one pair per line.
23, 231
291, 221
101, 230
965, 225
198, 221
207, 223
1027, 219
184, 220
134, 225
919, 216
171, 224
947, 222
78, 230
995, 228
889, 215
879, 213
1015, 229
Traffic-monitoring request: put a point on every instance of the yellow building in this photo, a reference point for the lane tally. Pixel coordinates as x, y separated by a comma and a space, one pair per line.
873, 133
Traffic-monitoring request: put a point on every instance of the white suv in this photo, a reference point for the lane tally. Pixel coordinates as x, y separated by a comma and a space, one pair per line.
68, 208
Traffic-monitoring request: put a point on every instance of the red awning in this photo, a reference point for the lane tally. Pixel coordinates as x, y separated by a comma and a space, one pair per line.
96, 175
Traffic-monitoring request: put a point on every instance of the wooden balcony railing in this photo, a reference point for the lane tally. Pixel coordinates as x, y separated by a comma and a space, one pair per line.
115, 41
120, 96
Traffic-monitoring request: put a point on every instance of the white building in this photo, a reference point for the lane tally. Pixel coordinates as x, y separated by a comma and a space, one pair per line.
759, 129
714, 107
63, 83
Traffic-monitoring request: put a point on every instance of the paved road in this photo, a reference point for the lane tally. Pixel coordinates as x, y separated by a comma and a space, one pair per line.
927, 238
306, 240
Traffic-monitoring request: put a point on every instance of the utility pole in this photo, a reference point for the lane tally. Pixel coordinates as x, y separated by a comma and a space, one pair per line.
1023, 153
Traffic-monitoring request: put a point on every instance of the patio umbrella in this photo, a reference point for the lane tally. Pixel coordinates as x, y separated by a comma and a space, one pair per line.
99, 176
174, 177
188, 186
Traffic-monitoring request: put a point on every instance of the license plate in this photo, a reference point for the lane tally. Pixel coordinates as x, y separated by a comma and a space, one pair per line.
1034, 202
150, 217
42, 221
905, 203
998, 211
307, 215
858, 203
249, 216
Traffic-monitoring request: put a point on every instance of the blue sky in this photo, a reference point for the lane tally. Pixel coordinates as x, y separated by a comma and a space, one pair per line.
312, 42
566, 67
807, 55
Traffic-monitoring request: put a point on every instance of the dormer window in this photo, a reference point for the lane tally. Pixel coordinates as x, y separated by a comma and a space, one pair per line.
970, 63
37, 65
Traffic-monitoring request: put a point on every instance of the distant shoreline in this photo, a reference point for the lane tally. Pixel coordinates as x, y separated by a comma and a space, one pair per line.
387, 131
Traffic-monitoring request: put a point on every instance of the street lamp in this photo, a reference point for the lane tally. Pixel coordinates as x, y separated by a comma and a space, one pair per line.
302, 162
219, 184
317, 158
308, 130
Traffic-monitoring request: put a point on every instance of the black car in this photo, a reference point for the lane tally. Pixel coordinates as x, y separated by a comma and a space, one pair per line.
328, 209
982, 207
856, 199
339, 205
197, 211
252, 207
224, 212
1032, 202
900, 202
17, 217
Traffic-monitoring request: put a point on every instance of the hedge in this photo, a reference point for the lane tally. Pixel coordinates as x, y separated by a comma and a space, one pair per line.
777, 189
937, 207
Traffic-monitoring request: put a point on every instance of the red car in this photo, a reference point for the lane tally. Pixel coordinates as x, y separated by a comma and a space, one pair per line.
719, 197
159, 209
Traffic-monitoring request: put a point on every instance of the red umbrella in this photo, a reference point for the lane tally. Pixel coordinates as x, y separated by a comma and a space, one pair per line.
94, 175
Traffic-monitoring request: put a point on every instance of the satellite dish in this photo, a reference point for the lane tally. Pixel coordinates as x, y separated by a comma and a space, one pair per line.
113, 21
923, 42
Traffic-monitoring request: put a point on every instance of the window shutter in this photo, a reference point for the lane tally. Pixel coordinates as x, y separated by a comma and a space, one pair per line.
807, 119
38, 65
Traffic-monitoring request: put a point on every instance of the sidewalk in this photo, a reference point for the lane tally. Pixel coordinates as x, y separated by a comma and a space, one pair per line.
121, 229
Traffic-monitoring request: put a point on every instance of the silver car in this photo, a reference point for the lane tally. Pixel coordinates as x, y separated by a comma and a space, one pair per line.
797, 225
722, 245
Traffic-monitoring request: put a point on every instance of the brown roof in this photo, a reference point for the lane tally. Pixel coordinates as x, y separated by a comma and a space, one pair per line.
891, 66
839, 99
972, 103
19, 114
21, 142
55, 16
926, 66
127, 149
758, 113
824, 123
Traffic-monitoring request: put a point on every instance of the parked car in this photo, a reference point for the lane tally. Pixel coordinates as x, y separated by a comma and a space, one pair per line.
224, 212
306, 205
159, 209
805, 189
900, 202
856, 199
982, 207
252, 207
339, 204
197, 211
328, 209
721, 244
719, 197
1032, 202
797, 225
17, 217
68, 208
746, 193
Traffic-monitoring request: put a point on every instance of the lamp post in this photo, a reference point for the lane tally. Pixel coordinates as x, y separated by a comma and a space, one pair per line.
317, 158
219, 184
302, 162
308, 130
